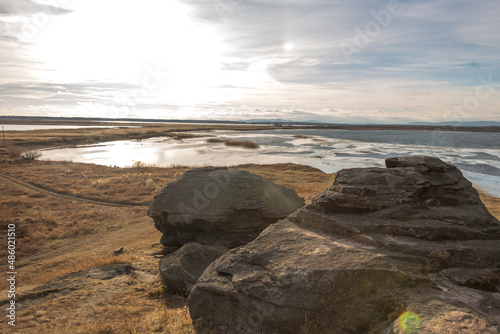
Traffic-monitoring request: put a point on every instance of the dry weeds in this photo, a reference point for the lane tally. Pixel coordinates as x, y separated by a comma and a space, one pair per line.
112, 184
59, 236
235, 143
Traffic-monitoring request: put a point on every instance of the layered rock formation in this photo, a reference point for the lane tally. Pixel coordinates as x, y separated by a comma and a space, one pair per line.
218, 206
380, 243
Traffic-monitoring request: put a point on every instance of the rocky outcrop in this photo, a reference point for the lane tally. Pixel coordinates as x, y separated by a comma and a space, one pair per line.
369, 255
219, 206
438, 317
180, 270
81, 280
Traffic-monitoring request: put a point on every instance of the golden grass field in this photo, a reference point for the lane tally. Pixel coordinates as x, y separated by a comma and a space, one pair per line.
59, 232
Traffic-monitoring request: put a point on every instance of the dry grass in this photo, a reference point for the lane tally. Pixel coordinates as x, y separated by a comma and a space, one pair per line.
59, 268
110, 309
31, 155
305, 180
58, 236
492, 203
41, 218
134, 186
234, 143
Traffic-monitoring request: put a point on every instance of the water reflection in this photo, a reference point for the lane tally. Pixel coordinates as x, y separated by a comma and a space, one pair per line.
328, 153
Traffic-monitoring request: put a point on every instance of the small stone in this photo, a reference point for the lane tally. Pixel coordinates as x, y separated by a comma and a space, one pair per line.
118, 251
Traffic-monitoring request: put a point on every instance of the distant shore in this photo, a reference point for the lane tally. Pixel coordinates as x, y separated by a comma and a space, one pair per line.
258, 123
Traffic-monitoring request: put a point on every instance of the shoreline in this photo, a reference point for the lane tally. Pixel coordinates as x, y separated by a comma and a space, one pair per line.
19, 120
17, 142
13, 143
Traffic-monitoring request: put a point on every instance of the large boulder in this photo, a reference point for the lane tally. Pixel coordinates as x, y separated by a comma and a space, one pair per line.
367, 255
180, 270
219, 206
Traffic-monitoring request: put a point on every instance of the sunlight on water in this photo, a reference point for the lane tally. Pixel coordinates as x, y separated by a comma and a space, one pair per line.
326, 150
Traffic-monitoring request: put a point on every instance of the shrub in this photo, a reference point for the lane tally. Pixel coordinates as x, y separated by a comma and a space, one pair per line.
31, 155
215, 140
241, 143
236, 143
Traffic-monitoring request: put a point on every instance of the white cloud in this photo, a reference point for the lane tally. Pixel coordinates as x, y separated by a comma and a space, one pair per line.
229, 58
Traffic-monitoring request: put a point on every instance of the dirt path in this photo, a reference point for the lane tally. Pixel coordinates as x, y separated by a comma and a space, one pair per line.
26, 185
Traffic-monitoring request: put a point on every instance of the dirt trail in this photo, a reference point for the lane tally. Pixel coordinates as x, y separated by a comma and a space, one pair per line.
26, 185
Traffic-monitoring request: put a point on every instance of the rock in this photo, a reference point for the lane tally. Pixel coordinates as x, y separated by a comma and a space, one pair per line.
93, 283
75, 280
218, 206
271, 284
378, 243
180, 270
438, 317
118, 251
105, 272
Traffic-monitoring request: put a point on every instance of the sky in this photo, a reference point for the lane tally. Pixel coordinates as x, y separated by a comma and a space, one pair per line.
395, 61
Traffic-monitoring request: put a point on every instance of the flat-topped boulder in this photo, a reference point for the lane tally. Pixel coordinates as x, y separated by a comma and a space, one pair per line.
367, 255
219, 206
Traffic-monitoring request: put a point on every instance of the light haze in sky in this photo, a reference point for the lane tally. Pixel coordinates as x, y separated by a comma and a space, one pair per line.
333, 61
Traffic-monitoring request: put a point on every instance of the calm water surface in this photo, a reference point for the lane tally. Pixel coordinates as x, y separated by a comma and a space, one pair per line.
477, 154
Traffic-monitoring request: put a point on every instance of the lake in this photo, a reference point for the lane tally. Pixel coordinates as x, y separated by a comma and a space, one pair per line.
477, 154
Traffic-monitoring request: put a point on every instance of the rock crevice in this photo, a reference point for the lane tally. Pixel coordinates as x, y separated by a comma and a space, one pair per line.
379, 243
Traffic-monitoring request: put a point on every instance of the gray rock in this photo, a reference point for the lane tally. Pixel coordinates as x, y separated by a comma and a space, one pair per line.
288, 273
218, 206
439, 317
118, 251
180, 270
359, 255
74, 280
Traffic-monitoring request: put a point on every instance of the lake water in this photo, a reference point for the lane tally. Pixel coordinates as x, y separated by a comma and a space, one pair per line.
477, 154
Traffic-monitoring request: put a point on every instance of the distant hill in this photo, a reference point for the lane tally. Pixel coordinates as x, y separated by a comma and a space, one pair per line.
477, 123
445, 126
281, 121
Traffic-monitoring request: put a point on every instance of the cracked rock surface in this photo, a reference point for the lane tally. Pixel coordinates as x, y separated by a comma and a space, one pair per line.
407, 248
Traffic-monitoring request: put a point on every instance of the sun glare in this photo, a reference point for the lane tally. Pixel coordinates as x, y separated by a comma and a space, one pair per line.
120, 41
288, 46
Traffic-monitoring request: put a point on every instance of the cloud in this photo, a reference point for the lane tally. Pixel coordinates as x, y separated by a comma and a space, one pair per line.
28, 7
38, 95
276, 58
